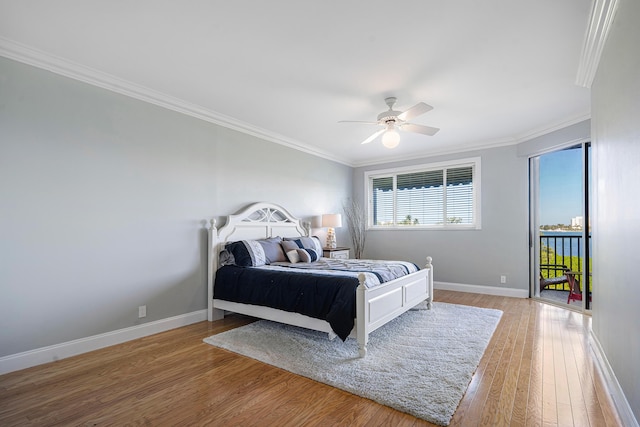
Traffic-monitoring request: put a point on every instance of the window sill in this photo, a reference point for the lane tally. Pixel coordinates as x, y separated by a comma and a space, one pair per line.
434, 228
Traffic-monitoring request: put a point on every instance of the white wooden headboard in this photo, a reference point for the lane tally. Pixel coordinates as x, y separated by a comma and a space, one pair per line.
257, 221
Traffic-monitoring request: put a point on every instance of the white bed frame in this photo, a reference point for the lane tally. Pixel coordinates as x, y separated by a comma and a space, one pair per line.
374, 307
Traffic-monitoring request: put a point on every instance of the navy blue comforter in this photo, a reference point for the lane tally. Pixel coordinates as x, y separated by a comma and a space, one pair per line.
330, 298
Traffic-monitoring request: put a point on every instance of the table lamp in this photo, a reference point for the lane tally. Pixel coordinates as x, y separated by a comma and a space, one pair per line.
331, 221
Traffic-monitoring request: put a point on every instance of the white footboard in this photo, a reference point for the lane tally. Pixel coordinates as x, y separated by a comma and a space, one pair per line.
379, 305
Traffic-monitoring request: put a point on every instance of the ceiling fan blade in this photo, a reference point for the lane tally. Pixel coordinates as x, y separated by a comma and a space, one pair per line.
426, 130
415, 111
374, 136
357, 121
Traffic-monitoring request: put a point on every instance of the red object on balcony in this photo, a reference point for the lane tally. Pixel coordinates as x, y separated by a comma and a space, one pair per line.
574, 286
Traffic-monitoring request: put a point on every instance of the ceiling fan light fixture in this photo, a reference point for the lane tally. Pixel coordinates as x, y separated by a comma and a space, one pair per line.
392, 120
391, 138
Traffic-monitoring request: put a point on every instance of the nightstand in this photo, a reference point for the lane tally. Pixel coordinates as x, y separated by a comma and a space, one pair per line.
336, 253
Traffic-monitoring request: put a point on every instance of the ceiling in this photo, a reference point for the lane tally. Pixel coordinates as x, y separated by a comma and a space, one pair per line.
497, 72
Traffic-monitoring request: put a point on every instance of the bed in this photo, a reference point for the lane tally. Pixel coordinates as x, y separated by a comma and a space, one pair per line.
373, 301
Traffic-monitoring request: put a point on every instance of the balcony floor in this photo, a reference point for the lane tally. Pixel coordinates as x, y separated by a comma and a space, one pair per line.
559, 297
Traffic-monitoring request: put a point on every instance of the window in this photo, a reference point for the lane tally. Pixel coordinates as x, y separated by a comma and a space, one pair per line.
442, 195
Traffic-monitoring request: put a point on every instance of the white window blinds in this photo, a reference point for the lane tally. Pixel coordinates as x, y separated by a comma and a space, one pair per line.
439, 197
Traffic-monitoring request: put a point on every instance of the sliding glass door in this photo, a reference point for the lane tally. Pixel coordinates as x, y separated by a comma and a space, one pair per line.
560, 237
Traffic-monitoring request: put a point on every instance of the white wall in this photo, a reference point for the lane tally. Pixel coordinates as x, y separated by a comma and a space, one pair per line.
616, 226
103, 200
468, 257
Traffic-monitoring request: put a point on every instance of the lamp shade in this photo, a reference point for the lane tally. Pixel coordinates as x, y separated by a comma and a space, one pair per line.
332, 220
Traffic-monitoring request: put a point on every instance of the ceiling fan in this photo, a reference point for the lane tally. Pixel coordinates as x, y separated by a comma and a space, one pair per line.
393, 120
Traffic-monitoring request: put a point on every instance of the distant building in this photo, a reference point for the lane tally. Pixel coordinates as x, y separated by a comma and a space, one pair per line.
577, 222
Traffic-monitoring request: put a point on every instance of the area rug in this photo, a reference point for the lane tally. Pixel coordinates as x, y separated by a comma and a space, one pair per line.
419, 363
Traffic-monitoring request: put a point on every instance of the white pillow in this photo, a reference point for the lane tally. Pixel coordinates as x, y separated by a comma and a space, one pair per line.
293, 256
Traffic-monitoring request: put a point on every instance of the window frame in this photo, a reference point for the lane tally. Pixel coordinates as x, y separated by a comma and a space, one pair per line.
474, 162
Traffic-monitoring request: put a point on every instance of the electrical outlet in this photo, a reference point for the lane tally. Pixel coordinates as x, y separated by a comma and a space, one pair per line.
503, 279
142, 311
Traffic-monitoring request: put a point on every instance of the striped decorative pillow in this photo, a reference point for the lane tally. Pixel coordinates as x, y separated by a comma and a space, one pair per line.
304, 249
254, 253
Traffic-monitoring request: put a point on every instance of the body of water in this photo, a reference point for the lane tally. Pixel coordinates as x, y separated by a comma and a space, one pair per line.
567, 243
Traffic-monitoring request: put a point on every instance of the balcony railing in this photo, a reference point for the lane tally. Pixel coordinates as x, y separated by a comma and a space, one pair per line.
560, 251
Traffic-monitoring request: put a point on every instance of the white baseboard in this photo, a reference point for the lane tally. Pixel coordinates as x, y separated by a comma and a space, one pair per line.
612, 385
27, 359
479, 289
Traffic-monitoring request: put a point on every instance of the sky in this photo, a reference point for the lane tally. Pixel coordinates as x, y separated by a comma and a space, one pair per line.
560, 186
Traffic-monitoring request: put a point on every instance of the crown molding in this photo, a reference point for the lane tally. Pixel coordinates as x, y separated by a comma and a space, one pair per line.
486, 145
600, 21
34, 57
535, 133
64, 67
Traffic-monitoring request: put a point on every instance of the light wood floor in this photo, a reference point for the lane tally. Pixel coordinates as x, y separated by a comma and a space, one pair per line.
537, 370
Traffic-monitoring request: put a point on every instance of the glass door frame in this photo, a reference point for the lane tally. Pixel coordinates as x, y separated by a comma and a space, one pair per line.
534, 218
586, 226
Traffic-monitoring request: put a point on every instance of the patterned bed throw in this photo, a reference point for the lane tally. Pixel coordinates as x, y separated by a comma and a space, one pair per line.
376, 271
